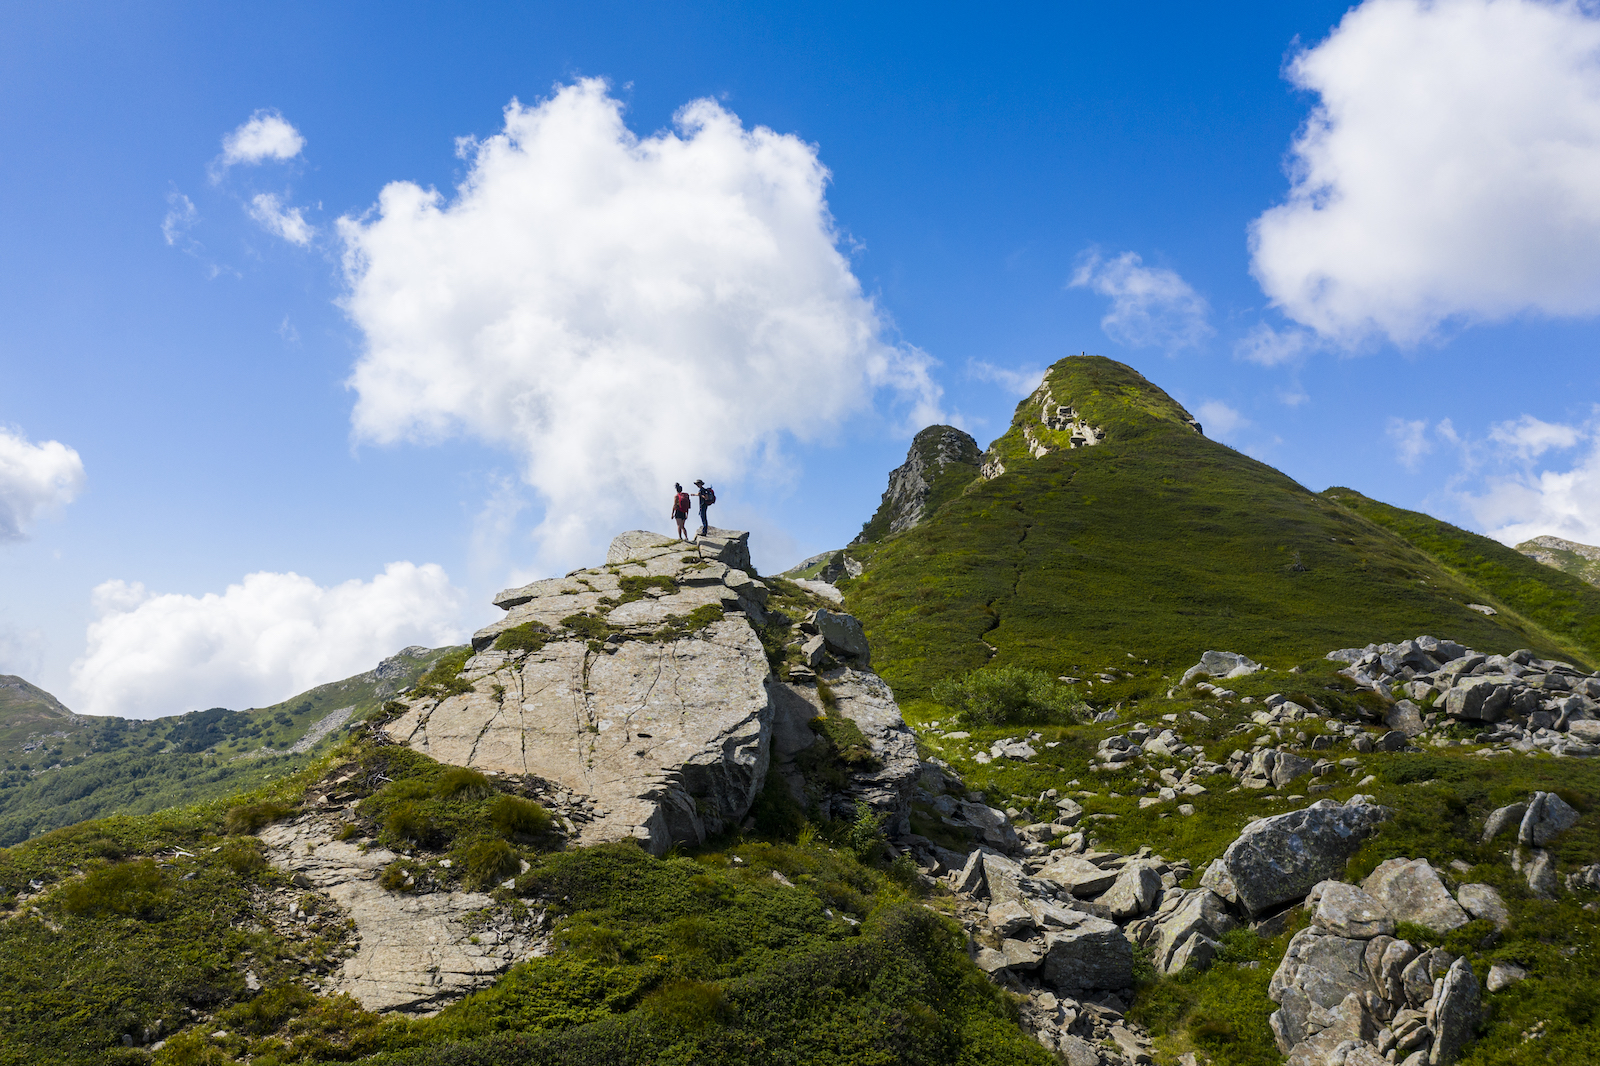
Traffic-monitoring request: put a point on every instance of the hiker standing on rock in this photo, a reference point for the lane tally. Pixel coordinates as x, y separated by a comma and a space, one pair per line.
680, 510
708, 496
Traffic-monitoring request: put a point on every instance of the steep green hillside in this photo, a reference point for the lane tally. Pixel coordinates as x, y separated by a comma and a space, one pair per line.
65, 768
1144, 550
1561, 605
139, 940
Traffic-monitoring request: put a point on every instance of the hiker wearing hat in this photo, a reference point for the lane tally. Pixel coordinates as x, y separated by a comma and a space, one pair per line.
680, 510
708, 496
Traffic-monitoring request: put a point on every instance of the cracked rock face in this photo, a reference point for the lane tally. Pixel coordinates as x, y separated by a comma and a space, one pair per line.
416, 952
659, 706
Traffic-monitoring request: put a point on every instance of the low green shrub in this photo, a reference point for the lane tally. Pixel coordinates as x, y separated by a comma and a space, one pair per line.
865, 837
635, 587
444, 678
408, 821
461, 782
131, 889
242, 856
484, 863
513, 816
587, 626
1010, 695
251, 817
687, 1004
528, 637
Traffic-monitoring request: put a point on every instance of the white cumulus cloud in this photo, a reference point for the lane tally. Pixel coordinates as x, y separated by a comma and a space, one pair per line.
1020, 381
1151, 307
1449, 173
621, 312
1221, 421
267, 135
1410, 437
34, 479
286, 222
260, 641
1544, 479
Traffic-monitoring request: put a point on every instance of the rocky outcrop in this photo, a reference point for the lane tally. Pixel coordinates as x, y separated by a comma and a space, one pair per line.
644, 686
1349, 991
939, 456
413, 953
1523, 703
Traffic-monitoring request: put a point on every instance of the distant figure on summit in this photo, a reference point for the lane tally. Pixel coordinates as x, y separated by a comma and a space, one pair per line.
680, 510
708, 496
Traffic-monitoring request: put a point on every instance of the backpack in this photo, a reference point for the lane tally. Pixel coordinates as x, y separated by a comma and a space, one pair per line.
708, 496
680, 503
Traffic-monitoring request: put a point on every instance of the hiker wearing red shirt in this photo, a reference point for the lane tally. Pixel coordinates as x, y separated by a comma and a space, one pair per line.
680, 510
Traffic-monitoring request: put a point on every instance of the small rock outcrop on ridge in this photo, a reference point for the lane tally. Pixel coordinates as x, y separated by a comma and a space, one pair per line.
643, 685
940, 461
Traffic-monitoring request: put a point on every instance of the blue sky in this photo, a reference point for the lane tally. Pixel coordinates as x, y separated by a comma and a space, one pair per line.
259, 428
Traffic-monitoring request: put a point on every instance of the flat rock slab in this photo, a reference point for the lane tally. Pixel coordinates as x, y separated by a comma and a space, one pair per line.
416, 953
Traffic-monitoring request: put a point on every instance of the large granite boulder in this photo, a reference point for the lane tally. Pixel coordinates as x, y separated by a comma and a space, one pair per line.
1277, 860
1547, 817
643, 685
1223, 664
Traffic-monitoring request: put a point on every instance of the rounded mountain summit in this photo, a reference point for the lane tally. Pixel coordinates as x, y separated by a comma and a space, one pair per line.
1103, 531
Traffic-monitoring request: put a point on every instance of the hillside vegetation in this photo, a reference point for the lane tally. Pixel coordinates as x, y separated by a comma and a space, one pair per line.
1141, 552
82, 767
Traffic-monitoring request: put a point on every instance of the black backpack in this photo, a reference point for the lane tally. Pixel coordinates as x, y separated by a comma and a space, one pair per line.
708, 495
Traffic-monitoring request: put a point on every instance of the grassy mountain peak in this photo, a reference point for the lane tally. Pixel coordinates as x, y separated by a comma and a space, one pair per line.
1580, 560
1134, 555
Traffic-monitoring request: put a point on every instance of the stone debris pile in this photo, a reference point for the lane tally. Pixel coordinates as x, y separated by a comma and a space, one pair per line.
1350, 992
1530, 703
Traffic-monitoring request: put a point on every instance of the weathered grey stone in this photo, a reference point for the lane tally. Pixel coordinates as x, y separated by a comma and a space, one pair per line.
1223, 664
1289, 766
910, 484
1547, 817
1009, 917
1406, 717
1133, 892
1021, 955
1541, 875
1586, 730
417, 952
993, 827
1480, 699
1278, 859
1092, 955
1482, 901
843, 634
1078, 1052
1504, 974
1455, 1015
1410, 890
1289, 1020
1502, 819
1201, 913
969, 880
1078, 876
1197, 952
1347, 911
1348, 1022
989, 960
1003, 876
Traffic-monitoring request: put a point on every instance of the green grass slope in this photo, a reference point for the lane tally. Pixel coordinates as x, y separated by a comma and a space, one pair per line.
1560, 605
82, 767
134, 928
1143, 551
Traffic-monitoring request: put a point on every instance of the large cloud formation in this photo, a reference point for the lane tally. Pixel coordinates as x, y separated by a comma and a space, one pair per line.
619, 312
261, 641
1448, 173
1151, 307
34, 479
